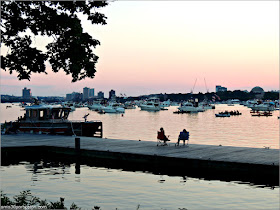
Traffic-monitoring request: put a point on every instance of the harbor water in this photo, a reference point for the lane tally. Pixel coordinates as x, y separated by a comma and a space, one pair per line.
242, 131
112, 188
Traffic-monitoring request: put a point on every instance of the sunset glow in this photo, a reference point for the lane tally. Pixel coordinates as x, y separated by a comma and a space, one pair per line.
163, 47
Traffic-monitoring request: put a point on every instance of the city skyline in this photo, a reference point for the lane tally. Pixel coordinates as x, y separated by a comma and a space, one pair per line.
223, 43
218, 88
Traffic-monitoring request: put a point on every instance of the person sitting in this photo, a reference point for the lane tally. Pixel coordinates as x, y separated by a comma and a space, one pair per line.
162, 136
184, 135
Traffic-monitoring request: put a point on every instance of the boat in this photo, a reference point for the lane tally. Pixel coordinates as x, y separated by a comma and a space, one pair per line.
263, 106
78, 105
260, 113
223, 114
113, 107
23, 104
234, 113
129, 105
165, 104
152, 104
69, 105
206, 105
96, 105
53, 119
190, 106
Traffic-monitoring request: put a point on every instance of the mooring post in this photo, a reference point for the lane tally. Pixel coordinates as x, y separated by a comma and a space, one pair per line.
78, 150
77, 145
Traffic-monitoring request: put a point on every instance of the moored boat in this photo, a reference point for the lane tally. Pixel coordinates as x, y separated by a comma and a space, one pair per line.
221, 114
152, 104
259, 114
50, 119
113, 107
190, 106
96, 105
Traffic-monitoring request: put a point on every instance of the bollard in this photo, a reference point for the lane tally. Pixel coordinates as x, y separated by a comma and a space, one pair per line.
77, 150
77, 145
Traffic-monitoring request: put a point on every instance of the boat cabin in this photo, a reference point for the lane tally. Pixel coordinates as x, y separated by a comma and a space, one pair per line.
46, 113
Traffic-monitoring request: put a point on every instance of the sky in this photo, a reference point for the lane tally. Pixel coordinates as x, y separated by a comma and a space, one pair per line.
172, 47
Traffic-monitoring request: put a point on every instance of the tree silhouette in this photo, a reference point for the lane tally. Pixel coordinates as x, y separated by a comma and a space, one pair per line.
71, 48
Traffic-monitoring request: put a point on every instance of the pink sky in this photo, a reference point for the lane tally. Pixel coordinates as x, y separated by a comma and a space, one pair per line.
163, 47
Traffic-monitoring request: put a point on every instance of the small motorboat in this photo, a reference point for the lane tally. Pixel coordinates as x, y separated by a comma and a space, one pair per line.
223, 114
259, 114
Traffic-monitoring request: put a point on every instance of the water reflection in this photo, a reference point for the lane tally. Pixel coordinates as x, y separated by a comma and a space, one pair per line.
114, 187
51, 166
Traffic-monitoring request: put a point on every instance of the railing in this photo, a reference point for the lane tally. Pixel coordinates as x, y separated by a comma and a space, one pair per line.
83, 121
58, 120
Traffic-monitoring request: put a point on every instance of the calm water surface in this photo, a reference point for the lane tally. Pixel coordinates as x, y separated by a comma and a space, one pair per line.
112, 188
204, 127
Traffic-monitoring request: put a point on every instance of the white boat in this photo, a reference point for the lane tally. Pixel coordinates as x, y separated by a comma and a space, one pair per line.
266, 106
96, 106
231, 102
69, 105
78, 105
129, 105
113, 108
152, 104
206, 105
165, 103
190, 107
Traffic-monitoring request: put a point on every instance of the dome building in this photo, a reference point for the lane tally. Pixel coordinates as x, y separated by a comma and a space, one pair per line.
258, 91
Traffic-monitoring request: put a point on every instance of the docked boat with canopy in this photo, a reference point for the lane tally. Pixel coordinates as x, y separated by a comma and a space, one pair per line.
53, 119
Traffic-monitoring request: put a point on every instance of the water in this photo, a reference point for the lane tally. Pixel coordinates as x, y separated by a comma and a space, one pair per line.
111, 189
204, 127
116, 188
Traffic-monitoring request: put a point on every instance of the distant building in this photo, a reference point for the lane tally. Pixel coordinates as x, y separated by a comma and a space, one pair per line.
112, 94
73, 96
100, 94
91, 93
257, 90
68, 97
77, 96
219, 88
26, 93
85, 93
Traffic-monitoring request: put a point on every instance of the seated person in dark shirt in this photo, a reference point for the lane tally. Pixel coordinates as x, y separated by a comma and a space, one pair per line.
184, 135
162, 136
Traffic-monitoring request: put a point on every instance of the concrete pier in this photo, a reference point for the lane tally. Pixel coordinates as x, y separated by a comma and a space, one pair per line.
221, 162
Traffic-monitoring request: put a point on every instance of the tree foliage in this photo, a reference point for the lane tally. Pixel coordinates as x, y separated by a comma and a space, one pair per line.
71, 48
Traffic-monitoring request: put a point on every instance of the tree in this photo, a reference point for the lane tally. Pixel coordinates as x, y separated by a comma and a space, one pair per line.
71, 48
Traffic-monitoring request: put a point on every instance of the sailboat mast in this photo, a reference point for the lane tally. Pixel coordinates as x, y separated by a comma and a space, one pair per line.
206, 85
194, 85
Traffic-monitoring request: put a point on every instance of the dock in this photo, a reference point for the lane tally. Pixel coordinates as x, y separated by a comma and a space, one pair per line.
257, 165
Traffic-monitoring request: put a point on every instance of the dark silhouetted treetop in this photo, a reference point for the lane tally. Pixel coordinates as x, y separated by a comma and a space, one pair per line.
71, 48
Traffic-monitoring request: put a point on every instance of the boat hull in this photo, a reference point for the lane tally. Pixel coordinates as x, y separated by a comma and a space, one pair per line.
222, 115
89, 129
150, 108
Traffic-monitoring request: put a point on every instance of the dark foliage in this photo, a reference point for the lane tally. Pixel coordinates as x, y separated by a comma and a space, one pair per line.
25, 198
71, 48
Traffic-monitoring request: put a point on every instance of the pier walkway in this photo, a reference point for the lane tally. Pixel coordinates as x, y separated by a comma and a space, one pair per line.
256, 162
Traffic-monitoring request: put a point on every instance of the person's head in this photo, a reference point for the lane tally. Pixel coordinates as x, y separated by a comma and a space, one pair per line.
185, 131
161, 128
